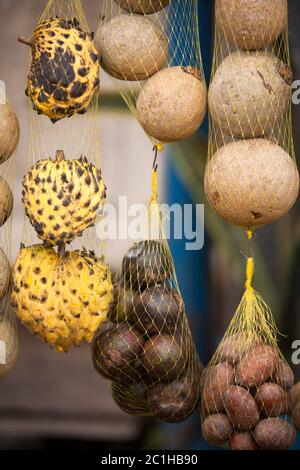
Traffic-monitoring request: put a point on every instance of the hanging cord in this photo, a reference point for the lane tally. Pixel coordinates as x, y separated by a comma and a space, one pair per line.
154, 195
249, 274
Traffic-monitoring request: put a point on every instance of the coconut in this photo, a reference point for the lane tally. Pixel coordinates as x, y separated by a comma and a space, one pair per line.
131, 47
9, 132
251, 24
6, 201
249, 94
251, 183
9, 347
5, 274
143, 7
171, 105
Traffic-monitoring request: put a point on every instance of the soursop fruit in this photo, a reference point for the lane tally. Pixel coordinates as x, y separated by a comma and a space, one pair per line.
62, 197
63, 298
64, 71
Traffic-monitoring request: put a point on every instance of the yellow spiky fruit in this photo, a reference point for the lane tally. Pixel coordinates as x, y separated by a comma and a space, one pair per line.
62, 197
61, 298
64, 71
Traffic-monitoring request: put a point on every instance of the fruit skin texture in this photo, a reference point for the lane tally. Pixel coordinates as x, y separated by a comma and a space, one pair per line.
217, 429
271, 400
62, 299
158, 310
241, 408
283, 375
173, 402
249, 94
164, 357
115, 353
251, 24
295, 394
131, 47
296, 415
63, 75
143, 7
132, 399
62, 198
6, 201
171, 106
146, 263
5, 274
9, 132
9, 334
256, 367
243, 441
274, 434
218, 379
251, 183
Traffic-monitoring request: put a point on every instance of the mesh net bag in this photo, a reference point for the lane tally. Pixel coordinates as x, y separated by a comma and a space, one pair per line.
9, 137
246, 388
146, 350
152, 52
251, 176
62, 287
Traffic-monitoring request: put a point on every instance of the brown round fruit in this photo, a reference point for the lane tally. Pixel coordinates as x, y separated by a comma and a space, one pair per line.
171, 106
233, 347
6, 201
243, 441
283, 375
5, 274
131, 47
249, 94
295, 394
9, 346
241, 408
143, 7
217, 380
124, 304
131, 399
296, 415
271, 399
9, 132
251, 183
158, 310
164, 358
251, 24
146, 263
217, 429
115, 353
257, 366
274, 434
174, 402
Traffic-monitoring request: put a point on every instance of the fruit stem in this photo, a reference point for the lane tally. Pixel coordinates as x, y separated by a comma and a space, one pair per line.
59, 155
25, 40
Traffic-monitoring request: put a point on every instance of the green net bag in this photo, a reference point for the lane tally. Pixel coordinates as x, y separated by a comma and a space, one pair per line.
251, 177
9, 138
246, 387
138, 49
62, 288
147, 351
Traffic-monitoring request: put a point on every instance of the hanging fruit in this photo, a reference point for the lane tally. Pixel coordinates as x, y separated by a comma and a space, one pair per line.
9, 131
6, 201
5, 274
143, 7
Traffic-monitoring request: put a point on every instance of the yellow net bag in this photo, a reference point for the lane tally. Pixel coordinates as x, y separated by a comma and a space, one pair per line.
9, 138
62, 293
251, 177
146, 350
159, 74
246, 388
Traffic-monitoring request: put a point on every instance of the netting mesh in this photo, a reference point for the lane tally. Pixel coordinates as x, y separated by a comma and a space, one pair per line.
9, 137
152, 52
251, 148
63, 294
246, 401
146, 350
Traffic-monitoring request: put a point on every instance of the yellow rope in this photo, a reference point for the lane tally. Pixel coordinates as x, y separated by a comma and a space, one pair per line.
154, 195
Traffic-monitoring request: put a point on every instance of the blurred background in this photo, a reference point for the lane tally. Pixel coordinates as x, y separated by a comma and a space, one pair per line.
57, 401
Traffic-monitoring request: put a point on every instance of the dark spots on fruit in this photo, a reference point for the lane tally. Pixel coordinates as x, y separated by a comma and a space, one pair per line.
60, 95
78, 196
74, 291
76, 315
82, 35
63, 235
37, 180
60, 50
52, 34
51, 217
94, 56
43, 299
64, 178
79, 218
36, 270
49, 202
66, 35
78, 89
88, 203
60, 195
52, 236
55, 208
67, 77
78, 47
80, 266
44, 191
40, 211
256, 215
82, 71
70, 187
19, 268
32, 190
60, 42
54, 187
44, 280
38, 228
56, 227
49, 179
88, 180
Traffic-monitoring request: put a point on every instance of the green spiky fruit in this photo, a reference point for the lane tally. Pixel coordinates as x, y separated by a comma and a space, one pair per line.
62, 197
64, 72
61, 298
